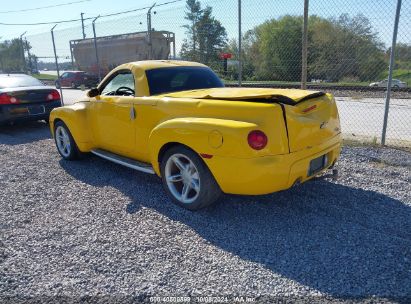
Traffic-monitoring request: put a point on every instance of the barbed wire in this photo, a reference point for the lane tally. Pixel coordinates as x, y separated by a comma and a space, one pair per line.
43, 7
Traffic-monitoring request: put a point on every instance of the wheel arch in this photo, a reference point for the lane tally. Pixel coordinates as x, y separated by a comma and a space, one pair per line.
74, 117
172, 144
200, 135
167, 146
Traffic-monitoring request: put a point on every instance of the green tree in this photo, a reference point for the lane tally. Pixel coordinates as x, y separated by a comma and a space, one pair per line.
193, 15
206, 35
402, 56
11, 56
277, 49
402, 51
340, 48
344, 48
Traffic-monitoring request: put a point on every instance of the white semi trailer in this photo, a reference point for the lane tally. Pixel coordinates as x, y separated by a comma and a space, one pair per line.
117, 49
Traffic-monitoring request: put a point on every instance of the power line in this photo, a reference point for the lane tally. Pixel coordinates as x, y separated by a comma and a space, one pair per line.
74, 20
41, 23
169, 2
43, 7
120, 13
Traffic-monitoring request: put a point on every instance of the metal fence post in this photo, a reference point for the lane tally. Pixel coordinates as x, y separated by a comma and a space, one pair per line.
240, 37
82, 25
71, 55
57, 64
22, 51
95, 48
304, 47
1, 61
174, 46
391, 68
28, 55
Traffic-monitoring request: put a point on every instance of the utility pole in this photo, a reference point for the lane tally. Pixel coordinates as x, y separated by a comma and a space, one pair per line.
22, 51
304, 49
149, 29
35, 62
71, 55
82, 25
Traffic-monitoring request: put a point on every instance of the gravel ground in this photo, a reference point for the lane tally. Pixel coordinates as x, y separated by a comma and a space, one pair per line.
93, 229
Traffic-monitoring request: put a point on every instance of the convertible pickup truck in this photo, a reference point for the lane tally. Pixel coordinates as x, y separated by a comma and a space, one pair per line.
177, 120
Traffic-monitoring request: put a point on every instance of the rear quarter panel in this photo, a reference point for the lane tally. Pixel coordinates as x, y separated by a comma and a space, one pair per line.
216, 127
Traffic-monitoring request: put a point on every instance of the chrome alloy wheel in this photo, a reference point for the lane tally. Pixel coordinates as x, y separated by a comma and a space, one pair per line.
183, 179
63, 141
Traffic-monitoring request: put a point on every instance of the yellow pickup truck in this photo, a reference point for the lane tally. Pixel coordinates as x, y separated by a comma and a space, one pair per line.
177, 120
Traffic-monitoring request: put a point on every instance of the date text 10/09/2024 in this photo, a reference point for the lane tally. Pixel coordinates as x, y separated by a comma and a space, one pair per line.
201, 299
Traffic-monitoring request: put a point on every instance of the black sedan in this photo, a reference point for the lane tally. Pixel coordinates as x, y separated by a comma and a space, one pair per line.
23, 97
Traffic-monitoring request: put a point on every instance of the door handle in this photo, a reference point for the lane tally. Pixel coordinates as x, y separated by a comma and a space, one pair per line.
132, 113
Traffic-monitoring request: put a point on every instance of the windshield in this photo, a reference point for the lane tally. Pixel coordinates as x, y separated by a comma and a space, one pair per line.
13, 81
174, 79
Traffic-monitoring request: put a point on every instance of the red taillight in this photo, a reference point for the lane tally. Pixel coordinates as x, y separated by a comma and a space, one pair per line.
54, 95
8, 99
257, 139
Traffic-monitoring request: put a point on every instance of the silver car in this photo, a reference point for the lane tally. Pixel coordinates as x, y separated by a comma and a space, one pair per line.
396, 83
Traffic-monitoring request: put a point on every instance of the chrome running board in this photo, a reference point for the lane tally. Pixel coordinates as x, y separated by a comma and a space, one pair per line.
121, 160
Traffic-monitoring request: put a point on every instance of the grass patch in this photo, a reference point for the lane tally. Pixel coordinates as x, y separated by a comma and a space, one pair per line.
44, 76
273, 83
373, 142
403, 75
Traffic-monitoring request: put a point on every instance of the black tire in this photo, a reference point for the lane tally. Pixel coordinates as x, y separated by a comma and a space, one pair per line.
57, 84
73, 85
209, 191
72, 152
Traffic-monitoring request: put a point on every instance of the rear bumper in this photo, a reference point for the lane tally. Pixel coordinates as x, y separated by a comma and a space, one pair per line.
27, 112
269, 174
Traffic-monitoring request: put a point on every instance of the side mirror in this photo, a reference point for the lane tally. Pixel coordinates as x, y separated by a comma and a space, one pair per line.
93, 92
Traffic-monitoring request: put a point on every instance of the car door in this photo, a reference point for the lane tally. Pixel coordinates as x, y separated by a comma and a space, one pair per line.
113, 114
63, 79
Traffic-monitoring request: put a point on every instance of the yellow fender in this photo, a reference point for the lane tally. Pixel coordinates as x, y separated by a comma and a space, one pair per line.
75, 118
203, 135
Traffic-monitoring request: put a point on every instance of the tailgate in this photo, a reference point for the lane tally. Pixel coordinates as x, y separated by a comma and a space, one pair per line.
311, 122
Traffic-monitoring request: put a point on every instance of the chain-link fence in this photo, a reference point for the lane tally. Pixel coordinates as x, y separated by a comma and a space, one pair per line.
348, 51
